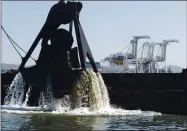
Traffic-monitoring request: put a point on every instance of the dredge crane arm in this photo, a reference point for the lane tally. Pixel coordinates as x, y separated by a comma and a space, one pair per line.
63, 13
51, 23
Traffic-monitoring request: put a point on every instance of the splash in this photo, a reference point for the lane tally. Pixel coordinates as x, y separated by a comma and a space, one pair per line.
78, 95
27, 96
15, 92
90, 91
104, 91
46, 97
95, 92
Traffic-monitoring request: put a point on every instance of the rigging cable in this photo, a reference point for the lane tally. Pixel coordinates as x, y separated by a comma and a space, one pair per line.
15, 48
13, 42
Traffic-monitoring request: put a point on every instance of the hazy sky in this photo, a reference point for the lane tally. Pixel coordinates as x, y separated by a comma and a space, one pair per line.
108, 25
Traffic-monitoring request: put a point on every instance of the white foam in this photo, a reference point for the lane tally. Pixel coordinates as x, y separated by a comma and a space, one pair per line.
81, 111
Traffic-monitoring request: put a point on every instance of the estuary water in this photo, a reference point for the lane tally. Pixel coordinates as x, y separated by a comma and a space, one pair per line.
133, 120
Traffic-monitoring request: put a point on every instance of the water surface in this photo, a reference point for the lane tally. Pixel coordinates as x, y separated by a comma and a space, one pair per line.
50, 121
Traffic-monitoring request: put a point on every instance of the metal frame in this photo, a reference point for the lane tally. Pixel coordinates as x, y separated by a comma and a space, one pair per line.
84, 50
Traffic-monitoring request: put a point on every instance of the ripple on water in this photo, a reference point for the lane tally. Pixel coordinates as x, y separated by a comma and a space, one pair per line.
58, 121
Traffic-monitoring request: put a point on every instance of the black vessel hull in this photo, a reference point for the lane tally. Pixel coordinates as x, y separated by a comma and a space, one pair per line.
166, 93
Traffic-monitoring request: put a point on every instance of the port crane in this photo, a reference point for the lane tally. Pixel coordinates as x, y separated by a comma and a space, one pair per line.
153, 54
151, 60
129, 57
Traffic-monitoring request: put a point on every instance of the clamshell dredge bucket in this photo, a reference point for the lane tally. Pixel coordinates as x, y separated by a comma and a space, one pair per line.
49, 62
